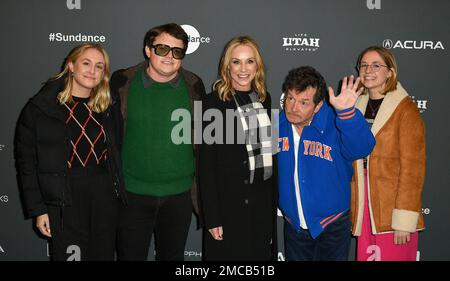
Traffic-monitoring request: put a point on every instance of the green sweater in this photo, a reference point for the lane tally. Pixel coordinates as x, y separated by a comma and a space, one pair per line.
152, 163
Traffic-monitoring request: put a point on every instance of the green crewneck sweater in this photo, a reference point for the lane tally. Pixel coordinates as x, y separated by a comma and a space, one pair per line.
152, 163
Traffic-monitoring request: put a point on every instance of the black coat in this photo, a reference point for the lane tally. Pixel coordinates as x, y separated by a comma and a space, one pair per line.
42, 148
246, 211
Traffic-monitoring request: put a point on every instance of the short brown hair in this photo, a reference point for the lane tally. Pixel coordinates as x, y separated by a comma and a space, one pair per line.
172, 29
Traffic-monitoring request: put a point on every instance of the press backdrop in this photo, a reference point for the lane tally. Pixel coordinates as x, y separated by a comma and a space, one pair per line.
36, 35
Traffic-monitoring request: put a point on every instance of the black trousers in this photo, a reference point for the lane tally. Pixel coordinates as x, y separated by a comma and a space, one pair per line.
333, 244
168, 216
86, 230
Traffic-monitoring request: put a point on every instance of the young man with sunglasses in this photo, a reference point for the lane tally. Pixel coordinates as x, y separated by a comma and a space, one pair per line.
159, 175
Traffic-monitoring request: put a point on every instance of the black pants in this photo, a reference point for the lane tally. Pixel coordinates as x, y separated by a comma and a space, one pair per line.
333, 244
86, 230
168, 216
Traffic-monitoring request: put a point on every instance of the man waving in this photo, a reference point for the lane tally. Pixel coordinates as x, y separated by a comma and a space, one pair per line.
317, 143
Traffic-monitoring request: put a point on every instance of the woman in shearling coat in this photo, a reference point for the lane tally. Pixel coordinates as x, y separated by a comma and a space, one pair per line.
386, 205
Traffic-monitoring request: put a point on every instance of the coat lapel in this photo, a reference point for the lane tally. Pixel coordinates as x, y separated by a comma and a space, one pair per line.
387, 108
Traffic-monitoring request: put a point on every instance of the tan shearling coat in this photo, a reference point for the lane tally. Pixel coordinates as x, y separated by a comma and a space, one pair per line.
395, 169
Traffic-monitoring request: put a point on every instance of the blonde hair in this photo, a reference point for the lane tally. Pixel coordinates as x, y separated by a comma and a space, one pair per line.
223, 86
389, 59
100, 97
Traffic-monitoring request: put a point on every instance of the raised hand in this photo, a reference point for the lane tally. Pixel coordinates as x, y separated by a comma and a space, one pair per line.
348, 96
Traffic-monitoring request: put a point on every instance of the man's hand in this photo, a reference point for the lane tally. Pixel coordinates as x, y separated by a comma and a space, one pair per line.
348, 96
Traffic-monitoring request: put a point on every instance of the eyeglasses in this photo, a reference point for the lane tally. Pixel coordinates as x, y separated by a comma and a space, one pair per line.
375, 67
162, 50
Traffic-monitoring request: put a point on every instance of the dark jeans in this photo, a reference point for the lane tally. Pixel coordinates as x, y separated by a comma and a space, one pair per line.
86, 230
333, 244
168, 216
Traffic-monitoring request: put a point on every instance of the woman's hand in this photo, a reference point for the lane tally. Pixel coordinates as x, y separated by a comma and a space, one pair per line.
401, 237
216, 232
43, 224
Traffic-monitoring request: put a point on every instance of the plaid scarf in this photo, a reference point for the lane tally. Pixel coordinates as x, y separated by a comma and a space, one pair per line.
257, 131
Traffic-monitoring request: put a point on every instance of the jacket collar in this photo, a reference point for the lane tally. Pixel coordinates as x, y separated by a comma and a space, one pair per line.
147, 81
387, 108
190, 78
46, 98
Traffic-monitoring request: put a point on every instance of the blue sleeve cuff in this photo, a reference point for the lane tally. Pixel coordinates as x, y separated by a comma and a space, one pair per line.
346, 113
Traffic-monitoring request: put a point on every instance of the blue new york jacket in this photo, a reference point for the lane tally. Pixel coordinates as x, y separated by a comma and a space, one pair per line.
326, 150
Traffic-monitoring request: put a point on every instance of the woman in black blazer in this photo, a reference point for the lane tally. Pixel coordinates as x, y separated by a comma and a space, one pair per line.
237, 185
67, 153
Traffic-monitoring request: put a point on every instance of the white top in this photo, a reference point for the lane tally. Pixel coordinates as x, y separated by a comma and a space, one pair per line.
296, 183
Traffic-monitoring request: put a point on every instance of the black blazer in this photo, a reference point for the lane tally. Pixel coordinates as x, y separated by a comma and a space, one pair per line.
229, 200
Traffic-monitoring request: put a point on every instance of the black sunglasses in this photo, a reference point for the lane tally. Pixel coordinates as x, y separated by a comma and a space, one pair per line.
162, 50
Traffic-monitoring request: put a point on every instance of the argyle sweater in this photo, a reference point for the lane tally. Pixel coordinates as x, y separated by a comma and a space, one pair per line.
87, 137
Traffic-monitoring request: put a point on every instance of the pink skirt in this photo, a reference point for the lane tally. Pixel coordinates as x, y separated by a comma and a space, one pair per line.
381, 247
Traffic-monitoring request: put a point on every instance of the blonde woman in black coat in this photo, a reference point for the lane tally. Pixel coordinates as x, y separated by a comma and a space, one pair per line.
68, 161
237, 191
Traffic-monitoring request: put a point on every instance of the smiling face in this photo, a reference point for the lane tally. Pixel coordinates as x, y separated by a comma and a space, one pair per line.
87, 72
163, 69
242, 67
374, 81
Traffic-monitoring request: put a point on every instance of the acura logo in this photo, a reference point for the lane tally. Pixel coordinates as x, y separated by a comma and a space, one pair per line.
387, 43
413, 44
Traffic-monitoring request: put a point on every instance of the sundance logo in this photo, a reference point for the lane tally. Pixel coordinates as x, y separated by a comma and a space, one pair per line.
422, 105
413, 45
73, 4
194, 38
301, 42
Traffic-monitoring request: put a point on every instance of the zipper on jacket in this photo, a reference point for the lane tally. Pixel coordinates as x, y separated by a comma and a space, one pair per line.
65, 175
109, 148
